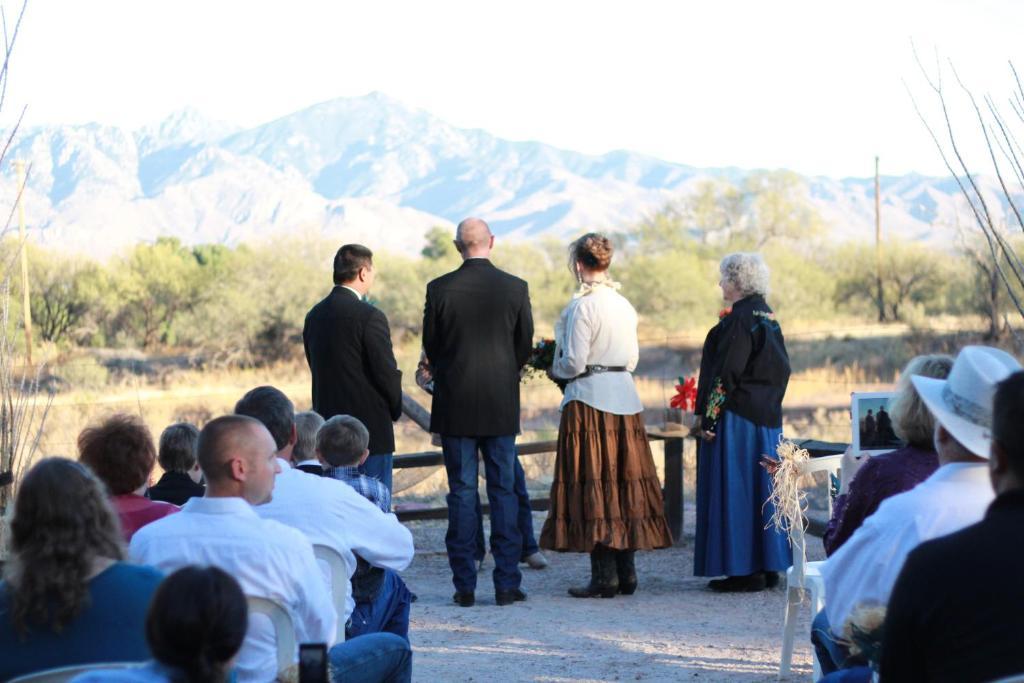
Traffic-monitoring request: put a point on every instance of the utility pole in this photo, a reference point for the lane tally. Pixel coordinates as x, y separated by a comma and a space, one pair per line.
878, 246
19, 165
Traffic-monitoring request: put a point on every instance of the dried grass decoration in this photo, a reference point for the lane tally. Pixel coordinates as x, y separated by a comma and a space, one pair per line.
787, 494
864, 632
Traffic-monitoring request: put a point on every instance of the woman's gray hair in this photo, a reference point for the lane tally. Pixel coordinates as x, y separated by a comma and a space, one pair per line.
911, 419
747, 272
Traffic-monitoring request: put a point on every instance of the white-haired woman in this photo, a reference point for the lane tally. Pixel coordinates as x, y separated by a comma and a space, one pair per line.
743, 375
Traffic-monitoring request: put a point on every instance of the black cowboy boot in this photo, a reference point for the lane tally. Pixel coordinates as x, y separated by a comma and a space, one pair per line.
626, 569
604, 579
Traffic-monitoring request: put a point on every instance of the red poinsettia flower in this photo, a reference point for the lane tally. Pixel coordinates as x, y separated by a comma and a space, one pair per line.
686, 395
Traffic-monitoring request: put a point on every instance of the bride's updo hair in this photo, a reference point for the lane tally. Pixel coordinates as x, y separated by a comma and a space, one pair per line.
594, 251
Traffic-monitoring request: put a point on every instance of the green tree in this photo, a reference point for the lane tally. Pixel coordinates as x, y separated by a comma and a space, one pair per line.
714, 210
670, 288
778, 208
913, 276
439, 243
155, 283
64, 291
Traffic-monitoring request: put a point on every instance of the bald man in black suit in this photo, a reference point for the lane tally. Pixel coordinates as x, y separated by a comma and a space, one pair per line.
478, 333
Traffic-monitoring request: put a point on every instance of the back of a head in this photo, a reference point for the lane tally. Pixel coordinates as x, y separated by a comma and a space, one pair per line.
349, 260
62, 521
473, 237
306, 425
342, 440
178, 444
271, 407
120, 451
594, 251
911, 419
1008, 421
197, 622
219, 440
747, 272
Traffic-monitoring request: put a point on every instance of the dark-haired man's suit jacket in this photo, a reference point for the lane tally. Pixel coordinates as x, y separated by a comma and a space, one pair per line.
348, 347
477, 333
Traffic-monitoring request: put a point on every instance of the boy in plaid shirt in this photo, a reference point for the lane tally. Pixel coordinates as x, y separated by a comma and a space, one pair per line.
382, 598
342, 457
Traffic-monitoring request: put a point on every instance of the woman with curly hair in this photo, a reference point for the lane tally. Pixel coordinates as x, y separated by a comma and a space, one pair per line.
67, 596
120, 451
744, 371
196, 625
605, 497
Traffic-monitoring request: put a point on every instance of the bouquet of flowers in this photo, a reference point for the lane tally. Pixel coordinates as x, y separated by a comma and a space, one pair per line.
540, 361
682, 405
686, 395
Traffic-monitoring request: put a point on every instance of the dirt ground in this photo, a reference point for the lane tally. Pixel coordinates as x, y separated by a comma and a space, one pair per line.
672, 629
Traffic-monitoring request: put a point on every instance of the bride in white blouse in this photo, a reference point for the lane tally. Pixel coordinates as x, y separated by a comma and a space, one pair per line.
606, 496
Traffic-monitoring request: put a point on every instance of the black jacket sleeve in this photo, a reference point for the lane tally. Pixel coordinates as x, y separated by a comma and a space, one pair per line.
731, 355
429, 327
380, 362
523, 334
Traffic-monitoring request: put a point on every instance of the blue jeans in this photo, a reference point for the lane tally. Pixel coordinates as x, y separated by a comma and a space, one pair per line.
379, 465
373, 658
464, 518
524, 518
389, 613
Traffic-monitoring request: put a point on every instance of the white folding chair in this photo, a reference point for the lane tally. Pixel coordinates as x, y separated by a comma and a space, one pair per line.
339, 579
804, 576
66, 673
284, 629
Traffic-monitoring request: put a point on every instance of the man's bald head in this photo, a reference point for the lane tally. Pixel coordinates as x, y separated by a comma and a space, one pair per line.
473, 238
225, 439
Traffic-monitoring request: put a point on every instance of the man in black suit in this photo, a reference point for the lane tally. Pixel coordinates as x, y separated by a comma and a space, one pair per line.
348, 347
955, 613
478, 333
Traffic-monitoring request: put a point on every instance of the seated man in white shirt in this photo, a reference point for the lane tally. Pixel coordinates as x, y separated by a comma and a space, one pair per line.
864, 570
270, 560
330, 512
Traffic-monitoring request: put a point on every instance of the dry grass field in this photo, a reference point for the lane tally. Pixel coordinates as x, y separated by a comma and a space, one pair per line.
828, 364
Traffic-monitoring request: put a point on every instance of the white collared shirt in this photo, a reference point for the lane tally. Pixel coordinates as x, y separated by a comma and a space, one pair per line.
268, 559
330, 512
599, 328
864, 569
313, 461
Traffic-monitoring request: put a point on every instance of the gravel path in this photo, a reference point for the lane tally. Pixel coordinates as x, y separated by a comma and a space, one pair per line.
672, 629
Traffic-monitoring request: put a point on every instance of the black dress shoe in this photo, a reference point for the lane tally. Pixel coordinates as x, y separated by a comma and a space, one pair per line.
503, 598
771, 579
739, 584
464, 598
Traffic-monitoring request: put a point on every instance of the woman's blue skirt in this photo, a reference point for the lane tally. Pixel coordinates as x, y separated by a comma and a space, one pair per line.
732, 488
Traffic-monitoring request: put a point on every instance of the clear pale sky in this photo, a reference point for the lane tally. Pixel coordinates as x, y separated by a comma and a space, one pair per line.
812, 86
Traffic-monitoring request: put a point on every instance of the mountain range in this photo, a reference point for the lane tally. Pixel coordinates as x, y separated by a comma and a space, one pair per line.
371, 170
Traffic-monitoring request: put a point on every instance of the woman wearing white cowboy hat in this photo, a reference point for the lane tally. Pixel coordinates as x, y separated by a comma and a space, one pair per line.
864, 570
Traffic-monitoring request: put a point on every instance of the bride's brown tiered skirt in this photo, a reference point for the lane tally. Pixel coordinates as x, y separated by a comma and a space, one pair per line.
606, 490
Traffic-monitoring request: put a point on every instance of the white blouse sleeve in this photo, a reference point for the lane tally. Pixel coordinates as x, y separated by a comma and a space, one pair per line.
573, 345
